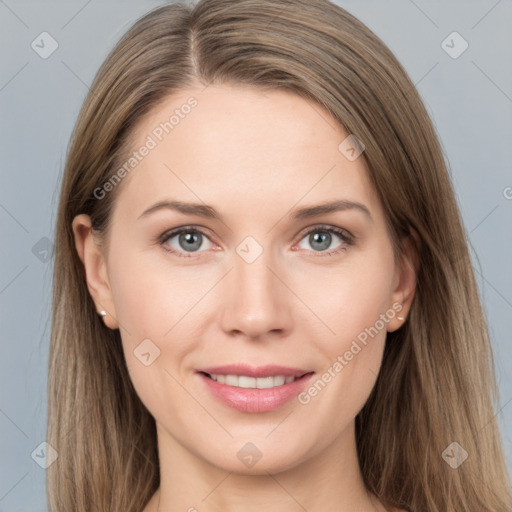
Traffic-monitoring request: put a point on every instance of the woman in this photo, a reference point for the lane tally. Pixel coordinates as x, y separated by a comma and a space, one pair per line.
263, 297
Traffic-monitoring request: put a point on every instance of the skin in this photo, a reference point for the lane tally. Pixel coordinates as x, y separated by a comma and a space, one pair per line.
254, 156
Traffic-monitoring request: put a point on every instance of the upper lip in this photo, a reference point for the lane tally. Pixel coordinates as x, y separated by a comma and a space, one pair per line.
252, 371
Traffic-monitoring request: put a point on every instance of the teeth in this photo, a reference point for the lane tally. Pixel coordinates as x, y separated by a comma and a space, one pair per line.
243, 381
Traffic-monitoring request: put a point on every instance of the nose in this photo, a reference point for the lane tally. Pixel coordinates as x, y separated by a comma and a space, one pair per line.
257, 303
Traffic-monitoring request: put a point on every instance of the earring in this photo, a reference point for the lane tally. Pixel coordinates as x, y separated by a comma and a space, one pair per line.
401, 318
102, 313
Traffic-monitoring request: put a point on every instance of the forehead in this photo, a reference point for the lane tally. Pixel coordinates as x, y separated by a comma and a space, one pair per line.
242, 147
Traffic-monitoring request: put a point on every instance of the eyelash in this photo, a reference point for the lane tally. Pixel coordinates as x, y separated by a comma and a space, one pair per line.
347, 238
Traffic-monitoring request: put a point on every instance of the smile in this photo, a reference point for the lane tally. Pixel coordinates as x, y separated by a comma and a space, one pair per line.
254, 390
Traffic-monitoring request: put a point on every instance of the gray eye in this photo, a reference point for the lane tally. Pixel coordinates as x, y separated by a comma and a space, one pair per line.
190, 241
320, 240
187, 240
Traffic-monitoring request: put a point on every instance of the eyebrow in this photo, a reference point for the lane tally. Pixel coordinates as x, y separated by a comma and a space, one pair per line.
204, 210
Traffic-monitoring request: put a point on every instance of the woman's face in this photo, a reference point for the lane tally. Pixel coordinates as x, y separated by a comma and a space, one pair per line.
285, 304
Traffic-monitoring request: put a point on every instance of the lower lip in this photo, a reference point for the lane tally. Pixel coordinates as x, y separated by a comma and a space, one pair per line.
255, 400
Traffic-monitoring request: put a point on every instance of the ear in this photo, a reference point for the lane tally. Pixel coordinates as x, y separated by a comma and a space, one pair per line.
91, 253
405, 281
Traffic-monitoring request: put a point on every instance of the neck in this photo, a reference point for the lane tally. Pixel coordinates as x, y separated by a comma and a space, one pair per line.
329, 480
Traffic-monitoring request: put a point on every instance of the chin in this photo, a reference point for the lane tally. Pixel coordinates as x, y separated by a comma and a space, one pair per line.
258, 457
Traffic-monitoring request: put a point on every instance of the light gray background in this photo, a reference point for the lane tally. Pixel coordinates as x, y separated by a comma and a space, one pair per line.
469, 99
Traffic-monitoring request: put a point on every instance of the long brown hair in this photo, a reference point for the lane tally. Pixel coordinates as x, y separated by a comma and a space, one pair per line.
436, 385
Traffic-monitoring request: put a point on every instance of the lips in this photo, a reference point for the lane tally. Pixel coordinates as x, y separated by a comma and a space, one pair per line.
250, 389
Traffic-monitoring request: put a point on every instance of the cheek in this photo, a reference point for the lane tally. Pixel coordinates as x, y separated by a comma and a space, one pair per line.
355, 307
159, 309
151, 298
350, 299
155, 330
